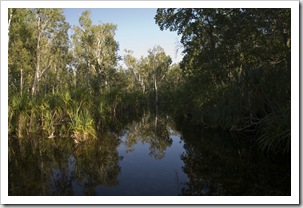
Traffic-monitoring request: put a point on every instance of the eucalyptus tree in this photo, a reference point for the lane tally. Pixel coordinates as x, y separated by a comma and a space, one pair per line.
95, 50
58, 47
159, 64
10, 16
82, 39
148, 73
47, 24
136, 69
20, 50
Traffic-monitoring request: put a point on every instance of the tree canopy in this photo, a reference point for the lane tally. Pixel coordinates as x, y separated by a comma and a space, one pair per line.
237, 68
235, 74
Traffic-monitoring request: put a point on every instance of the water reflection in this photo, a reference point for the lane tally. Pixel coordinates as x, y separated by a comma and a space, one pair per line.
97, 163
59, 167
151, 129
31, 163
146, 156
42, 166
221, 165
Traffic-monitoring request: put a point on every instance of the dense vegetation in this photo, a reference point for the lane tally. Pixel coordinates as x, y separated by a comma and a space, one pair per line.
235, 74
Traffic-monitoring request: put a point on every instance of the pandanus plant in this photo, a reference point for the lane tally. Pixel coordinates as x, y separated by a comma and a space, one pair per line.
82, 126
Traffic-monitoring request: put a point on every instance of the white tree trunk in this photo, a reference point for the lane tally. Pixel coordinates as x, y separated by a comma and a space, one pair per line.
156, 90
10, 13
37, 73
21, 81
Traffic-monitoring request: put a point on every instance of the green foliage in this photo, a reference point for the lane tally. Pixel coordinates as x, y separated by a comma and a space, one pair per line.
275, 134
235, 73
95, 53
18, 114
236, 69
82, 125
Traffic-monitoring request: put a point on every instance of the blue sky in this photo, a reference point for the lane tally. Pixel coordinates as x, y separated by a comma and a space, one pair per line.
136, 31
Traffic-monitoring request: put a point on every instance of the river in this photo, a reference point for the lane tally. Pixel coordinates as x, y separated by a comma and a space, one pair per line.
155, 155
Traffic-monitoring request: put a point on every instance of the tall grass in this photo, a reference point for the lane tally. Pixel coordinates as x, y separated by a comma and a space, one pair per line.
275, 132
82, 126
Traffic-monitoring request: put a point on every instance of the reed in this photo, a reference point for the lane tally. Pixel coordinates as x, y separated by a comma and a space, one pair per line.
82, 126
275, 133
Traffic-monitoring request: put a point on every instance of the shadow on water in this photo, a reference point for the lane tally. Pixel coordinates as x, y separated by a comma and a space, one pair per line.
149, 154
218, 163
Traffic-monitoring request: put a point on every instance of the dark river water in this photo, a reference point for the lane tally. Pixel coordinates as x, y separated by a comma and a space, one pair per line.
149, 156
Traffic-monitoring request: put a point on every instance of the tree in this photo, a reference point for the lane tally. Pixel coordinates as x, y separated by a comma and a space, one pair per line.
59, 47
134, 67
20, 50
95, 49
159, 63
149, 72
236, 65
48, 22
10, 15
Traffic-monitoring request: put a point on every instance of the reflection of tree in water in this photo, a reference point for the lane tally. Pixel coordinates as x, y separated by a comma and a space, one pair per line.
31, 164
42, 166
58, 166
152, 129
97, 163
49, 167
61, 180
218, 164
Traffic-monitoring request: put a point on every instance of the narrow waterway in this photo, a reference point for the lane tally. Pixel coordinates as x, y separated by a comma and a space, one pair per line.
150, 156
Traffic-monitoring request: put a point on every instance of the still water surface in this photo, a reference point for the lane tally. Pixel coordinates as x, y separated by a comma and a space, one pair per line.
150, 156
